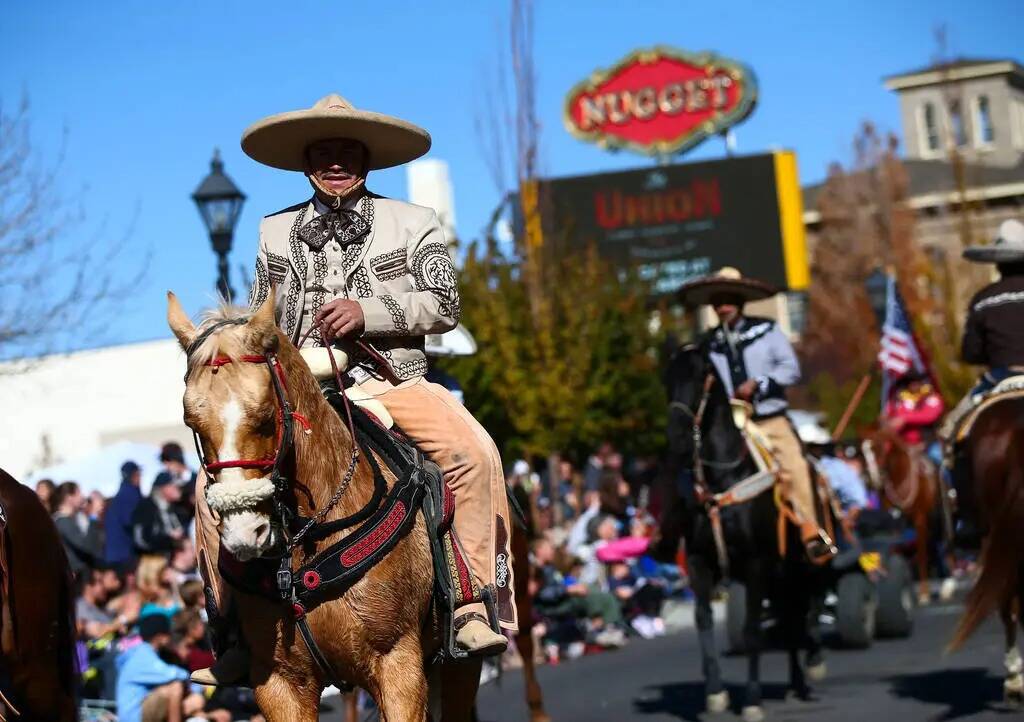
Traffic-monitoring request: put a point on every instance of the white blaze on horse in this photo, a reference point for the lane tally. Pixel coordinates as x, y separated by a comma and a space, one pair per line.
275, 448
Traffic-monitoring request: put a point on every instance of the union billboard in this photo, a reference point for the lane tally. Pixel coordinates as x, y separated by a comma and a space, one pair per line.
676, 222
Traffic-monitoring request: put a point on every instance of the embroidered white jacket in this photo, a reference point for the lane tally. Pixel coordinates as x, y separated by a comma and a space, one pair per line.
400, 272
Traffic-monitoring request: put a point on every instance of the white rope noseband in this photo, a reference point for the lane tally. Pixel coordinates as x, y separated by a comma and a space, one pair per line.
238, 494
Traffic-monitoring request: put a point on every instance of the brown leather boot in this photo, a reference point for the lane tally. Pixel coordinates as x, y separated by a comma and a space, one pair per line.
474, 635
230, 670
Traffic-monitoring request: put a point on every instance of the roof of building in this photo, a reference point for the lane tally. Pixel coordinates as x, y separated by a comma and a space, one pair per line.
932, 182
958, 69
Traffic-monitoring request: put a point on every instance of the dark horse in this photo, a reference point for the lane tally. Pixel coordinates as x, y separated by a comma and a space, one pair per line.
992, 492
37, 663
701, 432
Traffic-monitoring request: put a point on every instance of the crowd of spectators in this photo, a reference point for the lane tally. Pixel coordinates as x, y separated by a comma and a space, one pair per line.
139, 608
594, 585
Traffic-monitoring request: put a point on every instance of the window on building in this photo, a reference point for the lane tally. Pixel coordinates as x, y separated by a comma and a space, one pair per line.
984, 134
1017, 123
956, 123
930, 128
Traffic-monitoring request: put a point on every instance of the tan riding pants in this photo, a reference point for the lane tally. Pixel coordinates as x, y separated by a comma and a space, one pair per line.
449, 435
789, 453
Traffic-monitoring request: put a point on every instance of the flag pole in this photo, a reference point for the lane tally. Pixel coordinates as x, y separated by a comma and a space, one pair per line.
853, 405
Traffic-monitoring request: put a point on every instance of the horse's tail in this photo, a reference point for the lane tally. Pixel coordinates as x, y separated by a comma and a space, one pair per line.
1001, 558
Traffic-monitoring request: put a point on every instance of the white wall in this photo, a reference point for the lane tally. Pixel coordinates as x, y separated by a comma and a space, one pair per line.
78, 403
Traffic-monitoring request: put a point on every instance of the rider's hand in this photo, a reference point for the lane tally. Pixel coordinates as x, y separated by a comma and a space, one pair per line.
745, 391
340, 318
896, 423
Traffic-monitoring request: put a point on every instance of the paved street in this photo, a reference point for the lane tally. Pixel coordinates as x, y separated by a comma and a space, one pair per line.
659, 681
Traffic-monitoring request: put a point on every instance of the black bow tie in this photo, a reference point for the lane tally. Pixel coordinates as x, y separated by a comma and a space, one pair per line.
345, 226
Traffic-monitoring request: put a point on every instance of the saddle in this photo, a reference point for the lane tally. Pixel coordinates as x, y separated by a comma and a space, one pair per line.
768, 475
376, 530
1009, 388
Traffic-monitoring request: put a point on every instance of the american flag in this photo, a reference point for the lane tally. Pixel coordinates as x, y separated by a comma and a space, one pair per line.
900, 352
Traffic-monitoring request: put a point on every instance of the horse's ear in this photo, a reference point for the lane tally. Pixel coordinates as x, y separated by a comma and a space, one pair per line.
178, 320
263, 325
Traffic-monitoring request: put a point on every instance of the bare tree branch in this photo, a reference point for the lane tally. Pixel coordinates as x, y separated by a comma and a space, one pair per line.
56, 285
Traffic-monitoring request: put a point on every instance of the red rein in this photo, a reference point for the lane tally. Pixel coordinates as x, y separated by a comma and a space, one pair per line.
216, 466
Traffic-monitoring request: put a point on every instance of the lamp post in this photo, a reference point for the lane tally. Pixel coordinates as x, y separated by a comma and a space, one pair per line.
877, 284
220, 203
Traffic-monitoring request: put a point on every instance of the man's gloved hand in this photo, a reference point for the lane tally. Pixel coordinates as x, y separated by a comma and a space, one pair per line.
340, 318
746, 390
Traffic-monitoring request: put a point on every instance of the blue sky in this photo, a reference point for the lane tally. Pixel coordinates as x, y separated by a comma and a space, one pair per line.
147, 91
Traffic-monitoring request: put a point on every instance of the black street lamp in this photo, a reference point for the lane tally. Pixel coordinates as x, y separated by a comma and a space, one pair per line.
220, 204
877, 284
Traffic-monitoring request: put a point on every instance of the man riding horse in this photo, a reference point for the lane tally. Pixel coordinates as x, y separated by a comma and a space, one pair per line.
994, 332
348, 265
757, 363
993, 338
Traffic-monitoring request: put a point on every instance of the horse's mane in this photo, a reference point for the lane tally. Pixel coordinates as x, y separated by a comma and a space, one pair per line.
226, 341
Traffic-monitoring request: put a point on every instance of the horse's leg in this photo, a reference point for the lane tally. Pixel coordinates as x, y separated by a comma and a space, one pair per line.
280, 701
1013, 683
815, 660
524, 611
352, 706
524, 643
798, 593
459, 683
756, 590
402, 683
924, 596
701, 581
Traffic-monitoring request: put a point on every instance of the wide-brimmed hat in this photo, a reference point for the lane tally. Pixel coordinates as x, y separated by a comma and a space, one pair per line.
727, 281
280, 141
1007, 248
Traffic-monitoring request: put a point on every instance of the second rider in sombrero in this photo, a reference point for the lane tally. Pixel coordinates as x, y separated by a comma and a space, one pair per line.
350, 264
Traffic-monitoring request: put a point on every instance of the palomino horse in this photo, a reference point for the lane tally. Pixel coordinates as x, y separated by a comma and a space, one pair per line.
911, 484
245, 380
703, 439
37, 637
994, 495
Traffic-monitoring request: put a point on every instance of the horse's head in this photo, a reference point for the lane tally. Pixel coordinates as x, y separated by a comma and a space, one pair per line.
686, 379
881, 441
231, 404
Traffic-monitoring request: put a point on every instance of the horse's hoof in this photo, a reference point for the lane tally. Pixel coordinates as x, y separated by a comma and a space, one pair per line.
798, 695
817, 672
753, 713
717, 703
947, 589
1013, 690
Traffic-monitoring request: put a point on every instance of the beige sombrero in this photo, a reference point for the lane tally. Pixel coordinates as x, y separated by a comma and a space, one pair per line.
726, 281
1008, 247
280, 141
